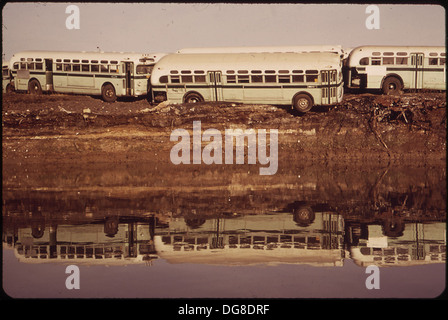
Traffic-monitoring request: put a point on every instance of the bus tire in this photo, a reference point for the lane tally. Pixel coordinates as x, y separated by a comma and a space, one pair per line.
392, 86
10, 88
193, 97
108, 93
34, 87
302, 102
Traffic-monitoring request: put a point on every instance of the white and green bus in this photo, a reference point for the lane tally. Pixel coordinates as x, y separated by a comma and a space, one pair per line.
394, 69
300, 79
108, 74
7, 79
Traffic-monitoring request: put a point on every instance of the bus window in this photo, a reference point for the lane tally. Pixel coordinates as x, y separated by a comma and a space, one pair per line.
104, 68
388, 60
401, 60
175, 79
231, 79
114, 68
298, 78
270, 78
67, 67
433, 61
163, 79
77, 67
376, 61
58, 66
257, 78
284, 78
143, 69
94, 68
85, 68
187, 79
243, 79
39, 65
30, 66
442, 61
199, 78
311, 75
364, 61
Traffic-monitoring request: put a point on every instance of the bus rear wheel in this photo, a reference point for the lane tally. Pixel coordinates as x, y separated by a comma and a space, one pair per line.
392, 86
108, 93
34, 87
193, 97
303, 103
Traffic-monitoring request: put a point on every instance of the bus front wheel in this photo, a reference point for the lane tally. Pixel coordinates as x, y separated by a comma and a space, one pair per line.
34, 87
303, 103
108, 93
193, 97
392, 86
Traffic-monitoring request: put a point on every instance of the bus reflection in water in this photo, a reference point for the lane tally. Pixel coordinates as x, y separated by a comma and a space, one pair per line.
300, 237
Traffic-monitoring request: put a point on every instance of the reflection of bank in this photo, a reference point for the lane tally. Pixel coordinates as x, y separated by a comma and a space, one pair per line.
417, 244
255, 239
114, 241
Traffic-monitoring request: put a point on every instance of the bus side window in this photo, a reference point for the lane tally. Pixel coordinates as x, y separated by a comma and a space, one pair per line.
311, 75
243, 78
31, 66
401, 60
67, 67
199, 78
104, 68
270, 78
442, 61
85, 68
114, 68
39, 66
376, 61
163, 79
15, 66
231, 79
187, 79
77, 67
175, 79
388, 60
257, 78
94, 68
433, 61
58, 66
298, 78
364, 61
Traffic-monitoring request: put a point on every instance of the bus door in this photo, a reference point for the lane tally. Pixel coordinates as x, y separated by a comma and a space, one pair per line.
329, 86
417, 70
215, 83
129, 78
49, 74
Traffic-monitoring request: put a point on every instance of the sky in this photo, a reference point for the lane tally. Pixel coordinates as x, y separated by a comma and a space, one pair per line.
167, 27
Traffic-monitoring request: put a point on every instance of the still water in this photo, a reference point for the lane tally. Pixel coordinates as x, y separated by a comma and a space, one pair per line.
143, 231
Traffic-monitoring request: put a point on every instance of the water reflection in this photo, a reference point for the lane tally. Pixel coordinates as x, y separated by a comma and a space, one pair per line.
301, 233
320, 217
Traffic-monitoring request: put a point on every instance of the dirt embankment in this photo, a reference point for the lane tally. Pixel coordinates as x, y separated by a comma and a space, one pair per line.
365, 127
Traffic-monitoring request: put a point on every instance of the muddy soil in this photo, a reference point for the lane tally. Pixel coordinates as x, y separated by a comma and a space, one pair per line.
364, 127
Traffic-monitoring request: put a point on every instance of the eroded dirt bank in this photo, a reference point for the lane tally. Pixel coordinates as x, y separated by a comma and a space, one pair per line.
368, 127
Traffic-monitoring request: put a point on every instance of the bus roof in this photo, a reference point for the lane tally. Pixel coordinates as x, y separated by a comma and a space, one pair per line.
247, 61
361, 51
120, 56
264, 49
